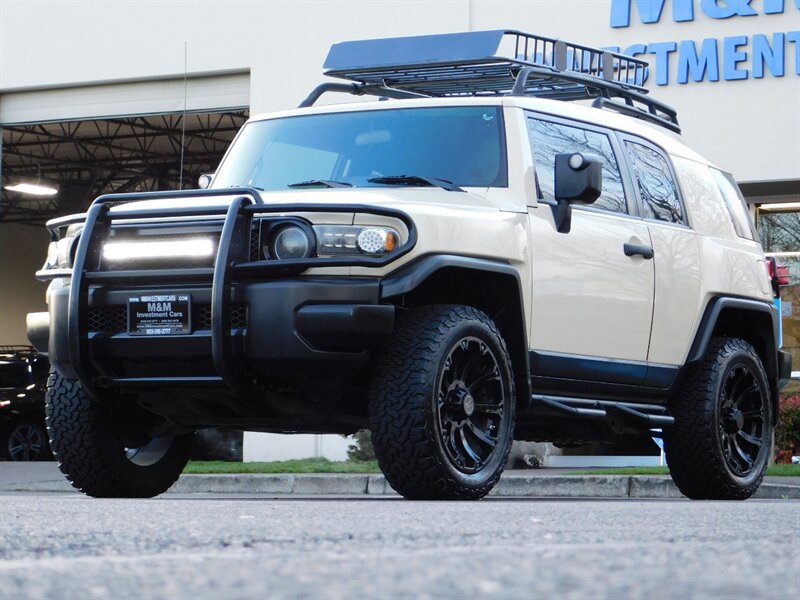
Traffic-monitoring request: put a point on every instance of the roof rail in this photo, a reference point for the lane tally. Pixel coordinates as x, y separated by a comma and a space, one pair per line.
493, 63
17, 349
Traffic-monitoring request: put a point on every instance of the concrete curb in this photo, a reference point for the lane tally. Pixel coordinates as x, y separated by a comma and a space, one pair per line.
511, 485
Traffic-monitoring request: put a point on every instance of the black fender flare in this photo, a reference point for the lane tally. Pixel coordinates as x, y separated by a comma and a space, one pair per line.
711, 315
411, 276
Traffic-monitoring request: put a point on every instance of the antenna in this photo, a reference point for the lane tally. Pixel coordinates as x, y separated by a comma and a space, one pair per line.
183, 118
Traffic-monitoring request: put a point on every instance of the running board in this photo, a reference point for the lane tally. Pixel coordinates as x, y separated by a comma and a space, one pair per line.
651, 415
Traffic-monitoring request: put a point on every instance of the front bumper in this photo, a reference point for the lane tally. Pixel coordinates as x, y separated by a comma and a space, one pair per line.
293, 325
298, 327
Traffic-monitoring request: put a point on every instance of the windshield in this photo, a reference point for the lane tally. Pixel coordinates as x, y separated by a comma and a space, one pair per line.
461, 145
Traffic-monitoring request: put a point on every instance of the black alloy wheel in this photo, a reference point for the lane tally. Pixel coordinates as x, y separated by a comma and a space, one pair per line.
442, 404
470, 404
741, 420
720, 444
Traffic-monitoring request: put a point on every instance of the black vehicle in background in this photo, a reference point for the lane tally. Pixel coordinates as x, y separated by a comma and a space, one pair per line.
23, 382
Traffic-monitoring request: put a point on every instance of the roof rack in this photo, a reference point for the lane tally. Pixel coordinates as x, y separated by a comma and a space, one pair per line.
493, 63
17, 349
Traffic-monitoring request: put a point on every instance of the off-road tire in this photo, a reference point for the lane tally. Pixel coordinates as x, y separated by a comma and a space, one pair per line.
403, 404
694, 444
93, 457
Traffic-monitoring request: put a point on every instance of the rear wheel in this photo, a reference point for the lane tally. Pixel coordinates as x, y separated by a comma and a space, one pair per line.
442, 405
721, 441
102, 455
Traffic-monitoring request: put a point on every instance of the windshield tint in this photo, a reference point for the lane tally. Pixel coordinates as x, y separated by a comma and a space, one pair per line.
463, 145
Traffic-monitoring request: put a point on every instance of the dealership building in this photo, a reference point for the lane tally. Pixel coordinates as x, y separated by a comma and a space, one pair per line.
126, 96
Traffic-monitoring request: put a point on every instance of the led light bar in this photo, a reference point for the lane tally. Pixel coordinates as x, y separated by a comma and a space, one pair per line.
189, 247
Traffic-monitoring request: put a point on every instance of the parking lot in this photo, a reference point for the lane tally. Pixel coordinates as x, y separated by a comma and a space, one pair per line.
65, 546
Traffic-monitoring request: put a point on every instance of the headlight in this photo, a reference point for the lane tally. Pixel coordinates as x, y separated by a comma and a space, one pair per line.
61, 253
349, 239
290, 241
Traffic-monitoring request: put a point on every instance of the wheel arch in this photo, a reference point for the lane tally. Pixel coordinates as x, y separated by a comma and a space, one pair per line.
489, 285
751, 320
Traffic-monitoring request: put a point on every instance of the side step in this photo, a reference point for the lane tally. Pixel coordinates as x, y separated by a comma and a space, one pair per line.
651, 415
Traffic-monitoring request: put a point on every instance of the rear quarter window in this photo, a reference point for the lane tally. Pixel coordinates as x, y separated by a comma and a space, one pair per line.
736, 204
703, 199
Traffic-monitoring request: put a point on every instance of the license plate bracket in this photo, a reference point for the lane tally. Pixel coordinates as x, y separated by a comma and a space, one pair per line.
160, 314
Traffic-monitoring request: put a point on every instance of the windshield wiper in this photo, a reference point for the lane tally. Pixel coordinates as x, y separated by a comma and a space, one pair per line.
416, 180
320, 183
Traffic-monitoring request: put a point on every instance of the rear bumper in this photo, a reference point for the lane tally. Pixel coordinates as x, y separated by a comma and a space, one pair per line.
784, 368
298, 327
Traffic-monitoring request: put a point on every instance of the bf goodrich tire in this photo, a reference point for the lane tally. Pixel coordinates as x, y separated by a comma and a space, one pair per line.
720, 444
442, 404
93, 456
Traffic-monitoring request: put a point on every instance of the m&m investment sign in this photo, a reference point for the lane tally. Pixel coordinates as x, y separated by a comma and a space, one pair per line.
737, 57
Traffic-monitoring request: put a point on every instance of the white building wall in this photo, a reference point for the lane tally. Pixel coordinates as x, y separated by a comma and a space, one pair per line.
276, 446
751, 127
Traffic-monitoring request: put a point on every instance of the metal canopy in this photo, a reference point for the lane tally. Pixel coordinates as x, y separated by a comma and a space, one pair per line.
85, 159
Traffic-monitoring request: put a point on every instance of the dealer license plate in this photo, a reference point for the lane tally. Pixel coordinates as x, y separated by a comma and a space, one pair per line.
167, 314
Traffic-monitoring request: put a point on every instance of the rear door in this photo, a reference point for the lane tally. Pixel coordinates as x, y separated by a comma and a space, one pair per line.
592, 304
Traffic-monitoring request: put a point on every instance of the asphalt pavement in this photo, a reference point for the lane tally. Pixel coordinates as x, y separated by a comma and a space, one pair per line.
67, 546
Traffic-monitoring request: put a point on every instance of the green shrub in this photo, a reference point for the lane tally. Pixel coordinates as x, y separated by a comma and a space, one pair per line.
787, 434
362, 449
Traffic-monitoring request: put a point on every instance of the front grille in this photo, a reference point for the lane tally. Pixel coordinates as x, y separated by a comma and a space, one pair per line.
255, 240
114, 319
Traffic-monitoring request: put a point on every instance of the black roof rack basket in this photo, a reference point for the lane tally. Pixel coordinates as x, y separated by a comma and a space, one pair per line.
491, 63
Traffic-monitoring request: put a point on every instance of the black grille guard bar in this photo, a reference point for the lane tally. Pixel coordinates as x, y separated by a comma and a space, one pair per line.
246, 203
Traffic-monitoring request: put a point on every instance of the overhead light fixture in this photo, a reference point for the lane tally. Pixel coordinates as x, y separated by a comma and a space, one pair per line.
33, 189
779, 207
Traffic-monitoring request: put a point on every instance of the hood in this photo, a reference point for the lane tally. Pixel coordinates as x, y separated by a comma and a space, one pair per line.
473, 198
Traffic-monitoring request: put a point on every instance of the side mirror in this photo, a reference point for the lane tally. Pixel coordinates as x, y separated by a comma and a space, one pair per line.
205, 180
578, 178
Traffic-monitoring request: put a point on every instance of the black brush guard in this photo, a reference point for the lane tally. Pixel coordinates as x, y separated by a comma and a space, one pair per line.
246, 204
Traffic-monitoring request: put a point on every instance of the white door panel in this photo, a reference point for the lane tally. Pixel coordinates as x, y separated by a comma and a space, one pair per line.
589, 298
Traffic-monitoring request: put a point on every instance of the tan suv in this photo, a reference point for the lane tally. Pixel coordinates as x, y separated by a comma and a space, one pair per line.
473, 261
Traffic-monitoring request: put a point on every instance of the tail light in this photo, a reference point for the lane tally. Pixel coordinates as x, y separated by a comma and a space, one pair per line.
778, 275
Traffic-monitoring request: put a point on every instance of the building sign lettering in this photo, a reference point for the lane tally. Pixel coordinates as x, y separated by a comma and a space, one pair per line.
711, 59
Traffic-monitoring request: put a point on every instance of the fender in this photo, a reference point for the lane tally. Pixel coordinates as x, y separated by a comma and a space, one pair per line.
510, 320
711, 314
763, 338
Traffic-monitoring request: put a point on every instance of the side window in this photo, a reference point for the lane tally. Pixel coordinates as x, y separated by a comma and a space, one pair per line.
656, 185
549, 139
737, 207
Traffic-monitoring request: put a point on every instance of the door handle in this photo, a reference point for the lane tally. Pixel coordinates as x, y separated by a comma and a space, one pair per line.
642, 250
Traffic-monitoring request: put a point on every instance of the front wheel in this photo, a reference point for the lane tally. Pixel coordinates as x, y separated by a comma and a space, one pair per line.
442, 404
720, 444
104, 456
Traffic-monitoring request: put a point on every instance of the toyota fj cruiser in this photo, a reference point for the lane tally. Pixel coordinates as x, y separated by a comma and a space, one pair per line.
473, 261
